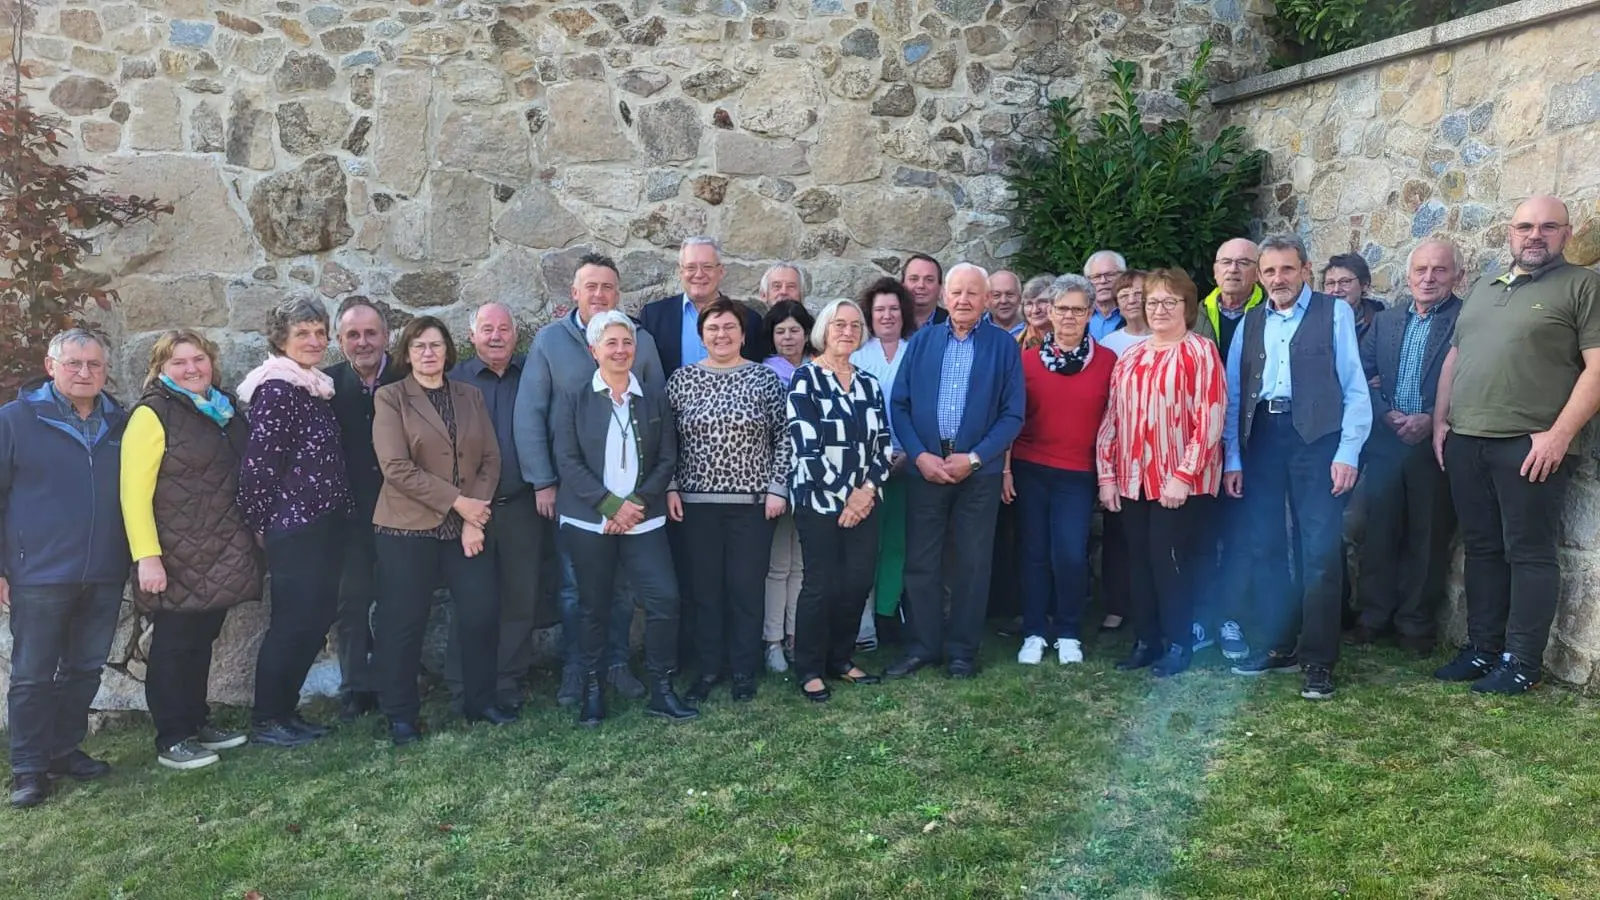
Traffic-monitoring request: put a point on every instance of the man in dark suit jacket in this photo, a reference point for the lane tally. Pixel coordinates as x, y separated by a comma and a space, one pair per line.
363, 337
1409, 514
674, 321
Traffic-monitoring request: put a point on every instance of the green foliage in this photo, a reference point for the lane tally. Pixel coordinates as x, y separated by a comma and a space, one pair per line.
1309, 29
1156, 193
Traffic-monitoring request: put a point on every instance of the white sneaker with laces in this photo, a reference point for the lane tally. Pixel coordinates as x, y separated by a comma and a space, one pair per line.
1069, 651
1232, 640
1032, 651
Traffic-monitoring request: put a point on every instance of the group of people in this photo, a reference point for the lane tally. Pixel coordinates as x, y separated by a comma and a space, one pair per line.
783, 490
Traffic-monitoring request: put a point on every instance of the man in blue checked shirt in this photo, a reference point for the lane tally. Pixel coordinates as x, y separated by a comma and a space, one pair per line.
1406, 553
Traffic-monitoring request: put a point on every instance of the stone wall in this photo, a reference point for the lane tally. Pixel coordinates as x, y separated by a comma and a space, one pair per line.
437, 155
1443, 139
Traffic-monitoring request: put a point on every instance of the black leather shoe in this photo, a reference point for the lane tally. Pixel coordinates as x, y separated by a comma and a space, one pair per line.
592, 709
744, 688
907, 666
311, 729
701, 689
356, 704
279, 733
29, 790
1139, 657
494, 715
962, 669
404, 733
79, 766
820, 695
864, 678
665, 704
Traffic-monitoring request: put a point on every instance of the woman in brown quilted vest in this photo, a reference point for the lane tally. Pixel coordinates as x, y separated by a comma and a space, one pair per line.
195, 556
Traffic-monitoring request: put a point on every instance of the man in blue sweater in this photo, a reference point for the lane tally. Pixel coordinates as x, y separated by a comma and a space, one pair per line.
63, 558
958, 404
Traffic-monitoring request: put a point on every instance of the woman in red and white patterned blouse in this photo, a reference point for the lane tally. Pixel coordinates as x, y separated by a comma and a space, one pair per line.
1159, 455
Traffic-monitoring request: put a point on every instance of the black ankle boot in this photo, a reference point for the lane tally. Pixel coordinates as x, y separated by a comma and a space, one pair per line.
664, 702
592, 708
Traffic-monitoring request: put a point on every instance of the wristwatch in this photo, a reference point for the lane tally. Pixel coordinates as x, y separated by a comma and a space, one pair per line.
975, 461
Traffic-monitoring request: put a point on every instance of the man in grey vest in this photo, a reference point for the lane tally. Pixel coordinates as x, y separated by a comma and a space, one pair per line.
1298, 415
559, 361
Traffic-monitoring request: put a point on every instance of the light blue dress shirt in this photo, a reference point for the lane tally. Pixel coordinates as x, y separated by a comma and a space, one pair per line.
1100, 326
955, 374
693, 350
1277, 331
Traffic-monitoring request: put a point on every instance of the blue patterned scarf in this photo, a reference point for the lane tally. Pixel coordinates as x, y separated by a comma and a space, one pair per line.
215, 405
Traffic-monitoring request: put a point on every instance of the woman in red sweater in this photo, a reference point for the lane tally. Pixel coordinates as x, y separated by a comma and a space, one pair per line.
1159, 455
1052, 470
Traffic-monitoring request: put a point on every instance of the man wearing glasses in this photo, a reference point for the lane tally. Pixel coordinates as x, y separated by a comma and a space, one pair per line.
1236, 293
1102, 269
674, 322
63, 558
1520, 381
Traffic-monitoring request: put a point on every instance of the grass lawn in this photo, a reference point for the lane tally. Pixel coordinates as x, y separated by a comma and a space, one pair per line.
1062, 783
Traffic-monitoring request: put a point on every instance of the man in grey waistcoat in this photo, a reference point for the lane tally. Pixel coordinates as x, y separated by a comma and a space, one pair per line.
559, 361
1298, 415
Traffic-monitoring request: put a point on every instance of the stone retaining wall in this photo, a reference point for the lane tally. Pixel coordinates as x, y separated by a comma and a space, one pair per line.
1442, 133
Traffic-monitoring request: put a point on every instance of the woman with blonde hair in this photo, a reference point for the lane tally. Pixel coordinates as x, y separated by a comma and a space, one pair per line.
195, 556
1036, 297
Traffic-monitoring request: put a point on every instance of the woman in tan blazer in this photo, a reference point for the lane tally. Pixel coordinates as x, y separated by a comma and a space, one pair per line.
440, 461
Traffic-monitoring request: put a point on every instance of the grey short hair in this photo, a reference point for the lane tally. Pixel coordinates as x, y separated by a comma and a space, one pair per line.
1456, 256
967, 267
472, 317
1114, 256
799, 271
819, 328
1068, 283
700, 240
1037, 285
76, 337
1285, 242
289, 313
598, 324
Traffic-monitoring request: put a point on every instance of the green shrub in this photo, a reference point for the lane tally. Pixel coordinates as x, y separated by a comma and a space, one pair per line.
1157, 194
1308, 29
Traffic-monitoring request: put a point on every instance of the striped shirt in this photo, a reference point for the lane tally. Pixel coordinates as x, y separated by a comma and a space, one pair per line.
954, 375
840, 437
1413, 347
1164, 420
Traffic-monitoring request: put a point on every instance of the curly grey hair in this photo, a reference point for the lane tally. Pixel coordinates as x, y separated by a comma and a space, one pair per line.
289, 313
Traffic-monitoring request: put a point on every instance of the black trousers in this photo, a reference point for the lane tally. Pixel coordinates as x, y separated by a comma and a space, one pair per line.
678, 540
1509, 532
646, 561
1115, 588
1005, 572
1405, 557
1162, 598
1220, 549
515, 544
1281, 468
178, 671
841, 564
60, 637
358, 591
965, 511
728, 550
411, 566
304, 565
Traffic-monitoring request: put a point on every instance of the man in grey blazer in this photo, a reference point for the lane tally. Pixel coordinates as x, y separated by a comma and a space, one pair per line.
560, 362
1406, 553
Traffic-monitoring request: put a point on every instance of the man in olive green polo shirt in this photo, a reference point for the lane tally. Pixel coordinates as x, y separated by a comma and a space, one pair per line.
1520, 381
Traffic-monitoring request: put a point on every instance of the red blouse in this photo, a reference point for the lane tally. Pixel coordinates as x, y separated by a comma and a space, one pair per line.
1164, 419
1063, 411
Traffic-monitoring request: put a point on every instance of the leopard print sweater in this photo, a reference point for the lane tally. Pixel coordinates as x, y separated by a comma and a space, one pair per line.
732, 441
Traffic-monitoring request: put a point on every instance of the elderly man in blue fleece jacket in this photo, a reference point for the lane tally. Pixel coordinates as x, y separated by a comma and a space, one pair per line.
63, 558
957, 406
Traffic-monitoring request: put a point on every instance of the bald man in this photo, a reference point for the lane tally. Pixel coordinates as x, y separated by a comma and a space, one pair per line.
1238, 290
1521, 380
1005, 302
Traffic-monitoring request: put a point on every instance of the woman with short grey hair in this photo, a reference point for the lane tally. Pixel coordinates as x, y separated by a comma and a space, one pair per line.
294, 494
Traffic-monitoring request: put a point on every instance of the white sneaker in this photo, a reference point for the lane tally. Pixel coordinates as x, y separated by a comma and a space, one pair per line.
1069, 651
1032, 651
1233, 643
775, 659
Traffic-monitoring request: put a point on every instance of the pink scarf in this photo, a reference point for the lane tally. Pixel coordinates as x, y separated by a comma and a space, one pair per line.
281, 368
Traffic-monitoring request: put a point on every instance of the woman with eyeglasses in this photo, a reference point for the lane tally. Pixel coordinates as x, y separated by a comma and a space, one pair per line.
1130, 302
1035, 311
1159, 455
1348, 277
1051, 468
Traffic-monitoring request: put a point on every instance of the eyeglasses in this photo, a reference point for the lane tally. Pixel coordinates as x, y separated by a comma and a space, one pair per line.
1169, 304
1527, 228
1236, 263
1106, 276
1340, 284
81, 365
427, 346
700, 268
1071, 311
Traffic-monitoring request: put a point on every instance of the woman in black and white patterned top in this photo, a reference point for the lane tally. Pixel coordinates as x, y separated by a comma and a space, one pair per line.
839, 426
733, 472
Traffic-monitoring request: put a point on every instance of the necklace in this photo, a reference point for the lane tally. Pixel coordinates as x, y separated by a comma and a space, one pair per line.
624, 425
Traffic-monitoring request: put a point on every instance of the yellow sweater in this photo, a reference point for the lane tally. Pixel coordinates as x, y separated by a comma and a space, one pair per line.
144, 443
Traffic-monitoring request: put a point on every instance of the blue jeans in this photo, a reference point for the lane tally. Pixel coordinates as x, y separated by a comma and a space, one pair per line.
61, 635
1054, 508
621, 625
